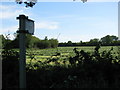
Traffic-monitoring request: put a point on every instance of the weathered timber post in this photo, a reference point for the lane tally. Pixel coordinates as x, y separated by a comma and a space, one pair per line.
26, 26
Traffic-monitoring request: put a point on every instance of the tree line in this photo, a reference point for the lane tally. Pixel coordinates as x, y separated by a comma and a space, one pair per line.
31, 42
34, 42
104, 41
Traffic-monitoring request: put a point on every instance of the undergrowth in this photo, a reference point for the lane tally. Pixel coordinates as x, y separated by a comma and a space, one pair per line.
85, 70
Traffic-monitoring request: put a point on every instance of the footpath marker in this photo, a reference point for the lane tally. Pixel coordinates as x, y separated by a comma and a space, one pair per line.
26, 26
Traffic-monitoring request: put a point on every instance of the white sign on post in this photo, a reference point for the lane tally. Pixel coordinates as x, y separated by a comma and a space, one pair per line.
29, 26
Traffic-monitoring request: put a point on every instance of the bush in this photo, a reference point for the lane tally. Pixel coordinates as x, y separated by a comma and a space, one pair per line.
10, 68
86, 70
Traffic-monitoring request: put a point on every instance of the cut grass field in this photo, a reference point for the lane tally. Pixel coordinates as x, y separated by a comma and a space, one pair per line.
43, 55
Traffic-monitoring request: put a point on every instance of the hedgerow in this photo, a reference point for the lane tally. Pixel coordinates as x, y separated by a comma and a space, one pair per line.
85, 70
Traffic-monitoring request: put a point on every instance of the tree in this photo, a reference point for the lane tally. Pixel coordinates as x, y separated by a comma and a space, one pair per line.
31, 41
114, 38
10, 65
51, 43
94, 41
2, 41
28, 3
6, 42
31, 3
46, 38
81, 42
54, 43
69, 43
43, 44
108, 39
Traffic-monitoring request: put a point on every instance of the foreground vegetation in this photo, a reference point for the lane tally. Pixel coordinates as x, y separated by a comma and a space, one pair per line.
93, 64
66, 67
61, 54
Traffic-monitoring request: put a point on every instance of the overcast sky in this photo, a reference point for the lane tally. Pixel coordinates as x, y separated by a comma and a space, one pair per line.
73, 21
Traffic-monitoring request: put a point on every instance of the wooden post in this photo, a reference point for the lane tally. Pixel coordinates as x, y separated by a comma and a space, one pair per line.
26, 26
22, 61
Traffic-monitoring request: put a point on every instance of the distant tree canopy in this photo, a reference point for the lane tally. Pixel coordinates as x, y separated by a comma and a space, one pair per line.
34, 42
108, 39
69, 43
51, 43
104, 41
31, 42
94, 41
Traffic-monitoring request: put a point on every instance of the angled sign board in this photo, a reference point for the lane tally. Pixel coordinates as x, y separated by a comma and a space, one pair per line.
29, 26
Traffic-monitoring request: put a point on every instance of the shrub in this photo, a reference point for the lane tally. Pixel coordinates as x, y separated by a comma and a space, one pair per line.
10, 68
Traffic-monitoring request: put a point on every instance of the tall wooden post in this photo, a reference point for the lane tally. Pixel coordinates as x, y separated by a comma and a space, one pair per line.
22, 61
25, 26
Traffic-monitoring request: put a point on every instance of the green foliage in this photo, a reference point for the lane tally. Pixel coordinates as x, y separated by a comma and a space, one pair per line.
10, 68
44, 44
85, 70
1, 40
97, 69
104, 41
5, 42
28, 3
34, 42
31, 41
78, 69
109, 39
10, 65
54, 43
51, 43
31, 3
94, 41
69, 43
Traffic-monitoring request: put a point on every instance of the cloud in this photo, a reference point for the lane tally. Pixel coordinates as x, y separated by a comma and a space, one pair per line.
7, 11
9, 14
46, 25
8, 29
3, 7
11, 11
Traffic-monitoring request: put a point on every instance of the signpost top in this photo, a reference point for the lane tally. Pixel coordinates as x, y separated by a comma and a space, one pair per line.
22, 17
26, 25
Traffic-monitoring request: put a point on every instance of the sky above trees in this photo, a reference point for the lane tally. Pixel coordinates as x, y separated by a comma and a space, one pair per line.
64, 0
73, 21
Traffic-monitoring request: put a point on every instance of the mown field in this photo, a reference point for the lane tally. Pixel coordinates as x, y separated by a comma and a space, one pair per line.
61, 54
